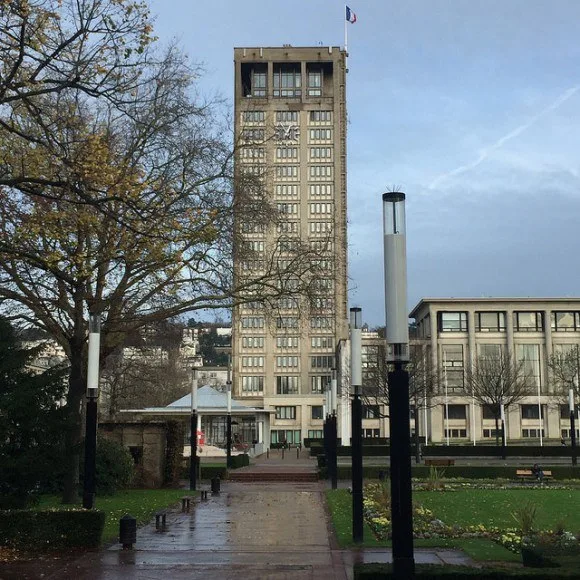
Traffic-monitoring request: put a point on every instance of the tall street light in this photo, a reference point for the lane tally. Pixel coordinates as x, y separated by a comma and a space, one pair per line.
572, 426
91, 412
397, 334
193, 438
333, 431
229, 416
356, 445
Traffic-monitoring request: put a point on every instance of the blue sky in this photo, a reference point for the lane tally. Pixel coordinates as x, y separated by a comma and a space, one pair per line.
472, 107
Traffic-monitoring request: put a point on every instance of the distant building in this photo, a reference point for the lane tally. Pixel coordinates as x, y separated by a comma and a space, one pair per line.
290, 113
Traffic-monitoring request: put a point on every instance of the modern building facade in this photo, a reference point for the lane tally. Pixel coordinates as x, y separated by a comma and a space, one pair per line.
290, 122
455, 332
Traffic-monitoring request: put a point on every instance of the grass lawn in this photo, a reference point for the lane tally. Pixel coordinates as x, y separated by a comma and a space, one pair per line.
494, 507
340, 504
140, 503
472, 506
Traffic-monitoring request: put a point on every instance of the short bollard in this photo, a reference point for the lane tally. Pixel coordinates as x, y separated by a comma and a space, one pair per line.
297, 452
127, 531
161, 521
215, 485
185, 503
267, 453
282, 452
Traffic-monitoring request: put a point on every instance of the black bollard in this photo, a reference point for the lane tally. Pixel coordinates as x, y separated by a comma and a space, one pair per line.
127, 531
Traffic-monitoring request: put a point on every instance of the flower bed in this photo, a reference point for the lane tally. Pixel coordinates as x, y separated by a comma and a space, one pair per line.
376, 505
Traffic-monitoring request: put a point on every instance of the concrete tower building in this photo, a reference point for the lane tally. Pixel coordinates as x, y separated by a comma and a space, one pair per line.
290, 116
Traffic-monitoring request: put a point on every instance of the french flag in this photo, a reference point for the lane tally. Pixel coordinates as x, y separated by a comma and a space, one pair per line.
350, 15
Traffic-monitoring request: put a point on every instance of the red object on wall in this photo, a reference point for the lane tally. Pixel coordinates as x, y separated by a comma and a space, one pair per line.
200, 437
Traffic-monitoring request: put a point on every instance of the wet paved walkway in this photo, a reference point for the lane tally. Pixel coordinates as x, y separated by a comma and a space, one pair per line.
271, 531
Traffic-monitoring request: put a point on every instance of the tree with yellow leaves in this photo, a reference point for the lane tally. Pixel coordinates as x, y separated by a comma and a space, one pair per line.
128, 213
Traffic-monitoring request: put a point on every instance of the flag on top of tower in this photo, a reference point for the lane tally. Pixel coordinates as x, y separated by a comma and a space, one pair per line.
350, 15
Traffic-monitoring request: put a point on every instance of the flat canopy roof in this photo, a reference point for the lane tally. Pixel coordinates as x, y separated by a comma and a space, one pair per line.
209, 402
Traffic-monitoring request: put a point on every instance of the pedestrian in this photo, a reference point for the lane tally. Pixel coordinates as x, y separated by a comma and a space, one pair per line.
538, 472
563, 441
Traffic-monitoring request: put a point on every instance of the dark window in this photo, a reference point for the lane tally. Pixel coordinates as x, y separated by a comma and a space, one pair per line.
137, 454
315, 434
254, 80
456, 433
564, 411
317, 412
531, 412
455, 411
488, 412
371, 412
287, 385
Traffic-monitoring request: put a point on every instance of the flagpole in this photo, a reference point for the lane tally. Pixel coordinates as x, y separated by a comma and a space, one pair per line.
345, 30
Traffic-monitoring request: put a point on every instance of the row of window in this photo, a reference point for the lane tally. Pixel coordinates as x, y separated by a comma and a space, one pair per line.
314, 190
496, 321
286, 116
285, 385
527, 411
291, 342
292, 172
289, 412
290, 227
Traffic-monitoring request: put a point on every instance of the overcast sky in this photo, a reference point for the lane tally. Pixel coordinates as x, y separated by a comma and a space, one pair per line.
471, 107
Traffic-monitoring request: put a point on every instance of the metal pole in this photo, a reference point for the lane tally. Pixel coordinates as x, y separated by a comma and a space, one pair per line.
229, 417
572, 426
356, 446
193, 438
503, 437
397, 335
91, 412
333, 432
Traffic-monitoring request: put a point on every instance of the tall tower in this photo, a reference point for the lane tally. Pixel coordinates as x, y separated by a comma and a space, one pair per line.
290, 114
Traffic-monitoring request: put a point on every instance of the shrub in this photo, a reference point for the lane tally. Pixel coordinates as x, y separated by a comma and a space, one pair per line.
114, 466
238, 461
173, 453
51, 529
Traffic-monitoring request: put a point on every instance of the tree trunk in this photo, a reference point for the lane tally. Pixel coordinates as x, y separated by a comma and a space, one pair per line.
417, 440
497, 431
74, 434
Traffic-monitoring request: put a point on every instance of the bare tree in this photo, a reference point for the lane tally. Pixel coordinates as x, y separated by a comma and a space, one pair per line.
423, 381
565, 370
160, 246
497, 382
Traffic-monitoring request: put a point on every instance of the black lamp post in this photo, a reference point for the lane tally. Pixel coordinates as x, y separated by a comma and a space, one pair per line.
193, 438
333, 432
397, 334
229, 417
91, 412
572, 426
356, 416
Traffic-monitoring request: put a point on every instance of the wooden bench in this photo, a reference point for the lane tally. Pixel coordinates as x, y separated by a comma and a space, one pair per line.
527, 475
161, 521
440, 462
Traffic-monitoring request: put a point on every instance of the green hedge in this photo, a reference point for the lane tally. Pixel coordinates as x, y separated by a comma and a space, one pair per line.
238, 461
495, 451
438, 572
559, 472
51, 530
